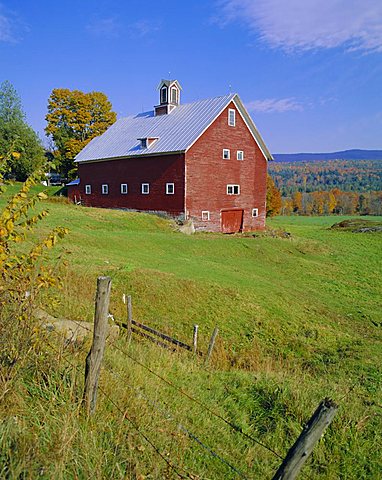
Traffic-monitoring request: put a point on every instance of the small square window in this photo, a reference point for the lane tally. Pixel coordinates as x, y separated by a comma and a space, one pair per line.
205, 215
124, 188
88, 189
240, 155
226, 153
145, 188
170, 188
231, 117
105, 189
233, 189
255, 212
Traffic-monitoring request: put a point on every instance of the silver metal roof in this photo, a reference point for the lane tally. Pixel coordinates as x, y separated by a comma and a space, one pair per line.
176, 131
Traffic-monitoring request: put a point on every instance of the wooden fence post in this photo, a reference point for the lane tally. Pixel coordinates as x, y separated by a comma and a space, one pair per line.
195, 338
305, 443
95, 355
212, 344
129, 319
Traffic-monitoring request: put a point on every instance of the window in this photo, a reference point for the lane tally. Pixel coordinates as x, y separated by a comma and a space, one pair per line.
240, 155
170, 188
226, 153
255, 212
105, 189
143, 142
163, 95
233, 189
88, 189
231, 117
205, 215
145, 188
124, 188
174, 95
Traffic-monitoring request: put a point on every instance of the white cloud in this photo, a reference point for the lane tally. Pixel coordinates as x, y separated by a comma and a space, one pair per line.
104, 27
310, 24
141, 28
271, 105
7, 27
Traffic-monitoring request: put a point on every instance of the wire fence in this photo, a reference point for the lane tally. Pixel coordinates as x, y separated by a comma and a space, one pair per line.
164, 412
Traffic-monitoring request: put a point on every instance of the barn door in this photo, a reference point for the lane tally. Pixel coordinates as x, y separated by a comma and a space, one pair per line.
232, 221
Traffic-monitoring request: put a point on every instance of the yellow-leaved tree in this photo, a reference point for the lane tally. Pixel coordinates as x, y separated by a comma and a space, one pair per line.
22, 272
74, 118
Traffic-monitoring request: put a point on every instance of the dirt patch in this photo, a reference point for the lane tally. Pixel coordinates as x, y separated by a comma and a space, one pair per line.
358, 225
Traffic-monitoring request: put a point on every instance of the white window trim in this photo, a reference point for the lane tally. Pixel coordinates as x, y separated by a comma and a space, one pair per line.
144, 185
255, 212
205, 215
124, 187
232, 110
232, 186
229, 153
167, 188
88, 189
164, 88
242, 155
105, 191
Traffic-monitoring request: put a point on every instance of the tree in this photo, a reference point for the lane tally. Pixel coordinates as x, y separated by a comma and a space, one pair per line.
273, 198
74, 118
17, 135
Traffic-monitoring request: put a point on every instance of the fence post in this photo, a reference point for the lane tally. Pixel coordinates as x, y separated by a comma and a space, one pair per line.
129, 319
305, 443
212, 344
95, 355
195, 338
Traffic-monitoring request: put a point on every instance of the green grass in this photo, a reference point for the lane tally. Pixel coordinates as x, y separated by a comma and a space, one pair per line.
300, 319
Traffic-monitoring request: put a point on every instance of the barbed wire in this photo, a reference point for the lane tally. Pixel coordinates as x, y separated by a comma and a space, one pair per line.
170, 416
198, 402
125, 417
187, 395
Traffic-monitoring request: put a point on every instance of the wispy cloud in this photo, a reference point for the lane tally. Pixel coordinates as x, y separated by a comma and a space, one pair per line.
107, 27
272, 105
310, 24
10, 26
144, 27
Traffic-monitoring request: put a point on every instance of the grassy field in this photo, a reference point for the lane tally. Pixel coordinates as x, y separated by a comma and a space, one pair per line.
300, 318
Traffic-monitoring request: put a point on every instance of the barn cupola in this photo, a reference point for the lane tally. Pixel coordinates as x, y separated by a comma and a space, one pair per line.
169, 96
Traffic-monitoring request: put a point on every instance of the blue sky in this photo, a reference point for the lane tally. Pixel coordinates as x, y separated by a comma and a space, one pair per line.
309, 71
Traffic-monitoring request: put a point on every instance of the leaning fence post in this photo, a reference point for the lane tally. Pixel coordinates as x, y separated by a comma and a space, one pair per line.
212, 344
95, 355
195, 338
305, 443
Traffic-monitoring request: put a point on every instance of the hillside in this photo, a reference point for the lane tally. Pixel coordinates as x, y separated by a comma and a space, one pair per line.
299, 319
355, 154
346, 175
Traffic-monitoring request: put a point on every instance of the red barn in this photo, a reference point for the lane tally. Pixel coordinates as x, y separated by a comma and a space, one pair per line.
203, 161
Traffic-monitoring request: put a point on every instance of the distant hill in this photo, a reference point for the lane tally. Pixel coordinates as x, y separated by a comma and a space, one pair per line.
344, 155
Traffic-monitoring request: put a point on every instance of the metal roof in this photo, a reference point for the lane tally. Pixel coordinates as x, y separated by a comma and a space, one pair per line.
176, 131
73, 182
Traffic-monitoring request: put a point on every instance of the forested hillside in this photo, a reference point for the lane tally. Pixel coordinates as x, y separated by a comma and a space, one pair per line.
346, 175
329, 187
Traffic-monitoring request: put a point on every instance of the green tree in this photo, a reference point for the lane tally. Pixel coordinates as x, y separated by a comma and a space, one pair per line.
273, 198
15, 133
74, 118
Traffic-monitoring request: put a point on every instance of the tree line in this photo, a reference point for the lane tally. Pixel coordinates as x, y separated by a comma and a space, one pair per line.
346, 175
332, 202
74, 118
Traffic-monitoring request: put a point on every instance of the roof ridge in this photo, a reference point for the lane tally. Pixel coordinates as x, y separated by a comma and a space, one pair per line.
228, 95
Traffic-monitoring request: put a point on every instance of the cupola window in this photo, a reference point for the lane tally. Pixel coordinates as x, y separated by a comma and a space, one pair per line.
163, 95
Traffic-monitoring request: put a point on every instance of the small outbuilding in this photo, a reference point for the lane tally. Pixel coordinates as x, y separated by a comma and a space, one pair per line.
203, 161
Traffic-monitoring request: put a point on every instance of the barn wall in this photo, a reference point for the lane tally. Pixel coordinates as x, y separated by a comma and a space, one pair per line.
208, 175
156, 170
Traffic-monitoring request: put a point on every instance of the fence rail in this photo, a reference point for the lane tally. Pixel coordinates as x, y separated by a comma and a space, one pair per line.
291, 464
